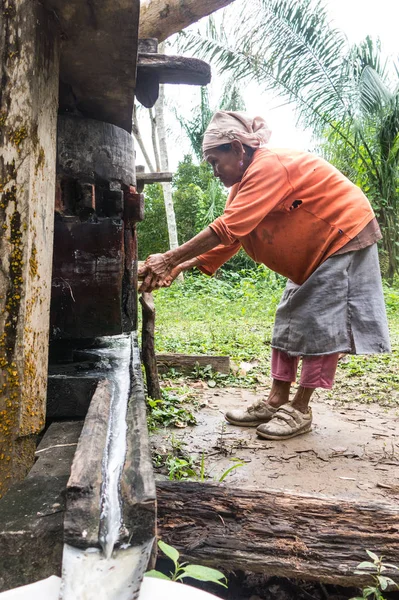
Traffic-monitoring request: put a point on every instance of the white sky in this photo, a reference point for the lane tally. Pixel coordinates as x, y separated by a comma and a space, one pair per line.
356, 18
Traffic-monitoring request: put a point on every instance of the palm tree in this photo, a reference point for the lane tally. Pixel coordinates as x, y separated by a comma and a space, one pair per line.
348, 95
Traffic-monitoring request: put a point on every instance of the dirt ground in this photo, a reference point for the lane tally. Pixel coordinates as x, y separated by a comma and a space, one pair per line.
352, 451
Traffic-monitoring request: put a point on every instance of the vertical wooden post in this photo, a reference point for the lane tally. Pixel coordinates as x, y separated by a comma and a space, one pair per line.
29, 65
148, 346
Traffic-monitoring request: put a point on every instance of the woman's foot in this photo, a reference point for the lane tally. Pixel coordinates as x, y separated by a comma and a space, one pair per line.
262, 410
286, 423
252, 416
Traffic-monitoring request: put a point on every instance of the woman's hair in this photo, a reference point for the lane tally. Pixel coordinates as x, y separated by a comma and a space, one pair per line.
227, 148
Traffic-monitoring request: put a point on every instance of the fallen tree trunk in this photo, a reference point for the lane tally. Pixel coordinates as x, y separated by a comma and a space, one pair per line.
276, 533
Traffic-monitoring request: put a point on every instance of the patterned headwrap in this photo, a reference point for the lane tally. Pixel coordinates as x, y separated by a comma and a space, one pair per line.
226, 126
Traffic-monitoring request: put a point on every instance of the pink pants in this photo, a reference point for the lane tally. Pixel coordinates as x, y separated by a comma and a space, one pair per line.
317, 371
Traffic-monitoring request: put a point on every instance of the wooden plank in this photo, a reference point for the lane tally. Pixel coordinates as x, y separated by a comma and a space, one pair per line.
148, 346
28, 109
173, 69
188, 362
157, 177
82, 516
274, 532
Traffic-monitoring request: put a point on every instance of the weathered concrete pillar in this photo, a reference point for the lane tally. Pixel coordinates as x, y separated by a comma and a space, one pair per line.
29, 64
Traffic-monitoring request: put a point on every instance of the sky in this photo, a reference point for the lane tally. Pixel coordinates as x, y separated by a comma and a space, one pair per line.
356, 18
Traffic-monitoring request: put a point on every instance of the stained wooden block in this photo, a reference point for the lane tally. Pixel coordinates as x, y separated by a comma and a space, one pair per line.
87, 283
69, 396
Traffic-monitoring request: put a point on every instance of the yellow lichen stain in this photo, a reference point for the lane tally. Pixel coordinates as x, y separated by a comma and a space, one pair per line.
41, 159
9, 9
33, 264
17, 136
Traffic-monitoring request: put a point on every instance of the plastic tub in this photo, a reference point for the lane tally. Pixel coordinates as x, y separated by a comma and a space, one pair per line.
151, 589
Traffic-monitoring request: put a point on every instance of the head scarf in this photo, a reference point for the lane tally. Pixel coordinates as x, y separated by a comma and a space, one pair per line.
226, 126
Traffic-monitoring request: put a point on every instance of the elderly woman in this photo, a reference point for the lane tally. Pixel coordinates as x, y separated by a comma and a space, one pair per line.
298, 215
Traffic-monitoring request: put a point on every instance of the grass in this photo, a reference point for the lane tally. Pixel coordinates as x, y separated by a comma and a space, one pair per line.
234, 316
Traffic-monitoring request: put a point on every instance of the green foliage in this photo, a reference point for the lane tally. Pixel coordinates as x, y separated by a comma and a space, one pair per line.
380, 582
348, 95
196, 126
198, 199
180, 468
233, 315
179, 465
169, 411
152, 233
183, 570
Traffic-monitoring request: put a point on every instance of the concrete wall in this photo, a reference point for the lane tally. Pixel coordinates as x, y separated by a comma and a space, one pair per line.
29, 64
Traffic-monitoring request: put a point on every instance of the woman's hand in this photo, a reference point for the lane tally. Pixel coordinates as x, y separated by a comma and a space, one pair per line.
167, 282
156, 272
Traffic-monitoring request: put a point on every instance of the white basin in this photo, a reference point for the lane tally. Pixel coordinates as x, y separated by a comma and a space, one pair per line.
151, 589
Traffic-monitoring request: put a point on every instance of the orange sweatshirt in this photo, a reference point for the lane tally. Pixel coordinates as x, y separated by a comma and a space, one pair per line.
291, 211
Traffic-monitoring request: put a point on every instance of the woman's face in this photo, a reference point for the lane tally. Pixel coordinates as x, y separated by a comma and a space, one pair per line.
227, 166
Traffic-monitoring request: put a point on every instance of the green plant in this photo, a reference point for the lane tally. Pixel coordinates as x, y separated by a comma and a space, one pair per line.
180, 468
183, 570
168, 411
203, 477
380, 581
237, 464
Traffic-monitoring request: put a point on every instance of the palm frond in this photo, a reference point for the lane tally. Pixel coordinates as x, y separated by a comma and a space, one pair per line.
287, 45
374, 94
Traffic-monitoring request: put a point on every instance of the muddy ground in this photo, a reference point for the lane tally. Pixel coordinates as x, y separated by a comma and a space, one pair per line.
352, 451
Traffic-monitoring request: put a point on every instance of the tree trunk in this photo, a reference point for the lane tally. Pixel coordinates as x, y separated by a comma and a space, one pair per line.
159, 19
163, 149
154, 139
139, 139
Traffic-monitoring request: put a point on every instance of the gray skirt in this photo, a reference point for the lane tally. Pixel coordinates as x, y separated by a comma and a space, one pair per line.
339, 308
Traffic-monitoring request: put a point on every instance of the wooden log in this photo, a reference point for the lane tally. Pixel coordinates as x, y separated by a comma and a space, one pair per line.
188, 362
160, 20
137, 486
276, 533
148, 346
82, 516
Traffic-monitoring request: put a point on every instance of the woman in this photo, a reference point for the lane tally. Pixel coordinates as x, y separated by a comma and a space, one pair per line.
298, 215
